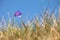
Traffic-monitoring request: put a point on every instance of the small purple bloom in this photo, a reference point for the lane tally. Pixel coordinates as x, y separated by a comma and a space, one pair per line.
17, 14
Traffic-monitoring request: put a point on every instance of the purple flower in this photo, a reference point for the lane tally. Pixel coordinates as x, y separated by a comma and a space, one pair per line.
18, 14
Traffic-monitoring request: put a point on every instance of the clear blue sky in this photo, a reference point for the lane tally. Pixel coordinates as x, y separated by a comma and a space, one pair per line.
29, 8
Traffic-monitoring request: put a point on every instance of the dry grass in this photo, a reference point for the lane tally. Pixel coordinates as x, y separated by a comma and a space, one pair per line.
28, 32
32, 31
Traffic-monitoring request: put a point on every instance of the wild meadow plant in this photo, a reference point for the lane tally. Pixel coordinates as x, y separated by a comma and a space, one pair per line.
47, 28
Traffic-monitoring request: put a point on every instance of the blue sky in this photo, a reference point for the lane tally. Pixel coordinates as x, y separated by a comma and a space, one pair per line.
29, 8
